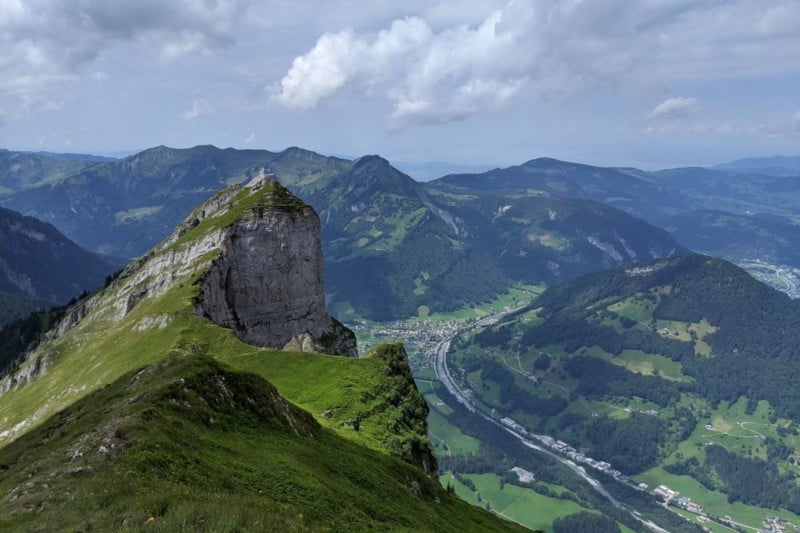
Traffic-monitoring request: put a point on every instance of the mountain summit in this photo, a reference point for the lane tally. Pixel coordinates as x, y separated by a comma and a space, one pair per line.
266, 283
249, 259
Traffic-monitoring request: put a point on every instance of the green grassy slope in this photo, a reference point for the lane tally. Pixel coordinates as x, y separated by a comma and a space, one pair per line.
187, 443
677, 372
106, 344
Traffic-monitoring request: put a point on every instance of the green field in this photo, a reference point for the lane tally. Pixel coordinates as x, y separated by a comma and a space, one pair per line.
642, 363
713, 526
448, 439
429, 388
519, 504
694, 332
734, 429
514, 296
635, 307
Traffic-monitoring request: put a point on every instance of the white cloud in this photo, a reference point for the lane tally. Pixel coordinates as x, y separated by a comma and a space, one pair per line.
558, 49
428, 76
250, 139
199, 108
786, 128
320, 73
677, 107
39, 103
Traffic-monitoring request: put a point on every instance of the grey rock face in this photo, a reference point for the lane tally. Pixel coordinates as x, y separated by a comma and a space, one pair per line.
267, 286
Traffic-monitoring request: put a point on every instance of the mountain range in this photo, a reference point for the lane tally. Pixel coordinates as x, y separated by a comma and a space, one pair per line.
411, 244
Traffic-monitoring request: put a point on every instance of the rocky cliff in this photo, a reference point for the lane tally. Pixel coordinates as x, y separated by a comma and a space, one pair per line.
266, 284
255, 253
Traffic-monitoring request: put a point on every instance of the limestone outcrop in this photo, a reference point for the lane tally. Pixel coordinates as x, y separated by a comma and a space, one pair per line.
257, 255
266, 284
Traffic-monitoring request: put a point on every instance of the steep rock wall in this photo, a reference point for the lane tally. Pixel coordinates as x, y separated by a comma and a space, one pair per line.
267, 285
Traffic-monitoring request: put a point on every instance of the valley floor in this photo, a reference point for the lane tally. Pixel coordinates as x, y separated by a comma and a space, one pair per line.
428, 341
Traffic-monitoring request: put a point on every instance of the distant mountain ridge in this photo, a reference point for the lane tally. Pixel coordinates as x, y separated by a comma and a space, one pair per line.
771, 166
40, 267
649, 195
416, 245
756, 211
66, 156
392, 245
734, 237
22, 170
132, 203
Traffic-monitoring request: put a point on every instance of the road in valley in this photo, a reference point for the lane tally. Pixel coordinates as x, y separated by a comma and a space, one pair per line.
443, 375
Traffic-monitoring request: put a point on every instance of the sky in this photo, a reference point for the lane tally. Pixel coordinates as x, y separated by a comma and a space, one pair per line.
428, 85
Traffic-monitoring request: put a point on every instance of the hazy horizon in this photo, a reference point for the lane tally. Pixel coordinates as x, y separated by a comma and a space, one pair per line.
486, 83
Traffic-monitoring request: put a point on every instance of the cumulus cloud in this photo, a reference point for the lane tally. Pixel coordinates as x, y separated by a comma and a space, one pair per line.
558, 49
428, 76
677, 107
199, 108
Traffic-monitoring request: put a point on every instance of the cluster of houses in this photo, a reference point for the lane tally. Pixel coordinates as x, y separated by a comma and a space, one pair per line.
565, 449
579, 457
686, 503
771, 524
671, 497
776, 524
418, 336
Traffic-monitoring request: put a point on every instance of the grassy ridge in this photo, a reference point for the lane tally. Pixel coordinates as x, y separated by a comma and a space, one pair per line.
103, 347
98, 351
187, 443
